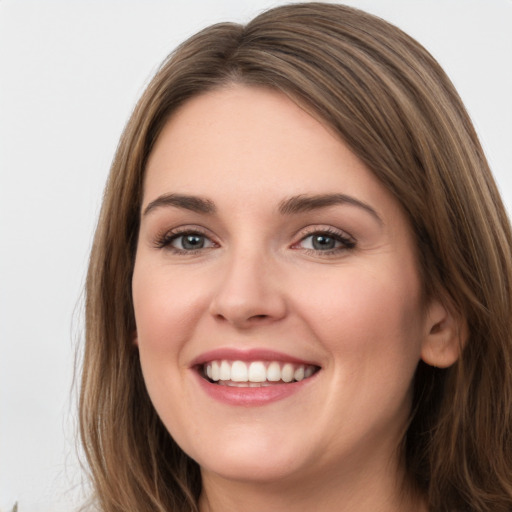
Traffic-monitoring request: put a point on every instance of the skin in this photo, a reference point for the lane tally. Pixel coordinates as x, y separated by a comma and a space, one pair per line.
357, 311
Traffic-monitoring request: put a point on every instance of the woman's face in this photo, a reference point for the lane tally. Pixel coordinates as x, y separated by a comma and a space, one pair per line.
271, 260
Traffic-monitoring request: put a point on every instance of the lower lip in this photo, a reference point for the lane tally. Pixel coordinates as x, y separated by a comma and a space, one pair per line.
252, 397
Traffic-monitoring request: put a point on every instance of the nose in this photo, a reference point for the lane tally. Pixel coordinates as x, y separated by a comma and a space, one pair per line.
249, 293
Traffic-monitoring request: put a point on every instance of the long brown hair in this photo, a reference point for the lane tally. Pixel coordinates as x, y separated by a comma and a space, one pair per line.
390, 101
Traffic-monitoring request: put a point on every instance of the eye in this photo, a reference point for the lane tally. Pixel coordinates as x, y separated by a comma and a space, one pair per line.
320, 242
190, 242
326, 241
185, 242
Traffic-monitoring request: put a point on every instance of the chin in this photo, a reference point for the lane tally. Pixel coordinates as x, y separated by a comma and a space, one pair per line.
258, 460
259, 470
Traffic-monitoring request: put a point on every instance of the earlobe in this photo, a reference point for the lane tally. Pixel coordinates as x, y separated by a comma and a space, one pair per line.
445, 337
135, 339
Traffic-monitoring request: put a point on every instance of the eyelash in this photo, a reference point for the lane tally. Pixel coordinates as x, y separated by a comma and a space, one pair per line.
165, 241
346, 241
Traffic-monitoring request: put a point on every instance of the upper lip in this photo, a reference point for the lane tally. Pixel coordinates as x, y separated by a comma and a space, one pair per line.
232, 354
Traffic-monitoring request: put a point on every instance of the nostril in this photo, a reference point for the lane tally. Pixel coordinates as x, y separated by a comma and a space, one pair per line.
258, 317
248, 321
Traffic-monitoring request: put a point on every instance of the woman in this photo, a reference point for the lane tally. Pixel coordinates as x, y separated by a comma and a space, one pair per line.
299, 294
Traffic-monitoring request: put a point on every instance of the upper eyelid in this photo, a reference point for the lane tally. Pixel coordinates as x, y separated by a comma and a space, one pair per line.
299, 235
164, 237
345, 241
181, 230
319, 228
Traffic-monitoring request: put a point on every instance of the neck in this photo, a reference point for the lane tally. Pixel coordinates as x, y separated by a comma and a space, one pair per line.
354, 491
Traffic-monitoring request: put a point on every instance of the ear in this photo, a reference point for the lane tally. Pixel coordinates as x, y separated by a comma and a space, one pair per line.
135, 339
445, 336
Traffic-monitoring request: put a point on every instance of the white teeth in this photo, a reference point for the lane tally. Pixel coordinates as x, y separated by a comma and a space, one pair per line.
215, 371
287, 372
274, 372
239, 372
256, 373
299, 373
225, 371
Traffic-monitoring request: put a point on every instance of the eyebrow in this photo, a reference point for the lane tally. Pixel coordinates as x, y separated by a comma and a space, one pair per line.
307, 203
193, 203
293, 205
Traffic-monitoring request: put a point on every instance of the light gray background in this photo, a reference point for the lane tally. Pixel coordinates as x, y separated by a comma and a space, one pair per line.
70, 73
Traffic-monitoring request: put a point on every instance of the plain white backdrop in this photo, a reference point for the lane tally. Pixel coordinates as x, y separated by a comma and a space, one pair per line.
70, 73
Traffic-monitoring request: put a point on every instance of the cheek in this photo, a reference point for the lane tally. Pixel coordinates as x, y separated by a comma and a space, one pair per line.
166, 314
367, 316
371, 326
166, 308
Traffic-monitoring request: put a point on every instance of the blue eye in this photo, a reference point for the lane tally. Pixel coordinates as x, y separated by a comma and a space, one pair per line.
184, 242
189, 242
323, 241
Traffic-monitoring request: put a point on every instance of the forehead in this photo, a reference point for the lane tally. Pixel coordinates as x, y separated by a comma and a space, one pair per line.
241, 128
244, 126
253, 145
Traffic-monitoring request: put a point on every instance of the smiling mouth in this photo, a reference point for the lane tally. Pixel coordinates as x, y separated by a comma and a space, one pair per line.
255, 373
